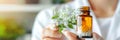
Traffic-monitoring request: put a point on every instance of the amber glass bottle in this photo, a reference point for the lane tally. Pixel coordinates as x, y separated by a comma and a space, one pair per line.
84, 23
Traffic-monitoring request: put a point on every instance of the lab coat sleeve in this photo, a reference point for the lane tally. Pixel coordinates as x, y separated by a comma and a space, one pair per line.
118, 32
42, 19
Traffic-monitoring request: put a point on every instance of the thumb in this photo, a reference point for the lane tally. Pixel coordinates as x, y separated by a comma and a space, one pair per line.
97, 37
69, 35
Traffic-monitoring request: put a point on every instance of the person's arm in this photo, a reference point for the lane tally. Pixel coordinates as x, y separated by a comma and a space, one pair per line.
117, 37
42, 19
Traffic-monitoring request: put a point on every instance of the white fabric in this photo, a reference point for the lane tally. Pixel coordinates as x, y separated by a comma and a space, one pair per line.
104, 24
44, 18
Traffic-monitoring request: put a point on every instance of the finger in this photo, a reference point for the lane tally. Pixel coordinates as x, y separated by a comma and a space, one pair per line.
97, 37
51, 33
47, 37
51, 39
69, 35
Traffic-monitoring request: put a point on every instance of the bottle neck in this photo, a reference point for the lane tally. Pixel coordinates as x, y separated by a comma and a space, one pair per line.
85, 12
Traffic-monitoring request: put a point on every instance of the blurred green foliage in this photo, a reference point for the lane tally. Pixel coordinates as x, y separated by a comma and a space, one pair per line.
58, 1
10, 29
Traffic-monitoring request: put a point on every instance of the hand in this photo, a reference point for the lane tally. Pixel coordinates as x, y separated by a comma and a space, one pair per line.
51, 33
97, 37
72, 36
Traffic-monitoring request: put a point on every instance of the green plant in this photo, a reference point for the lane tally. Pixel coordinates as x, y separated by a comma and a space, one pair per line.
65, 17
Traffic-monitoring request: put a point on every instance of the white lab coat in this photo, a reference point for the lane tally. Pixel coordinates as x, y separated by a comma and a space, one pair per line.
44, 18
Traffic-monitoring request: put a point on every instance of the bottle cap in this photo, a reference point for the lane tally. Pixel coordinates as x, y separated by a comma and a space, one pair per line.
85, 8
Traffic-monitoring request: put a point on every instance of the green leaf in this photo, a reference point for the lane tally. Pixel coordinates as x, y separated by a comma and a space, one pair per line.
55, 16
74, 22
70, 25
61, 27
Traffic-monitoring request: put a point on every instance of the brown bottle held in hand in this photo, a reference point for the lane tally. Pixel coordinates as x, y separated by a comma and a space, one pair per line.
84, 23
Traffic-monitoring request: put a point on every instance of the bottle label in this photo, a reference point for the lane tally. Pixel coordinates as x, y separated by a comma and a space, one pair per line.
84, 25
